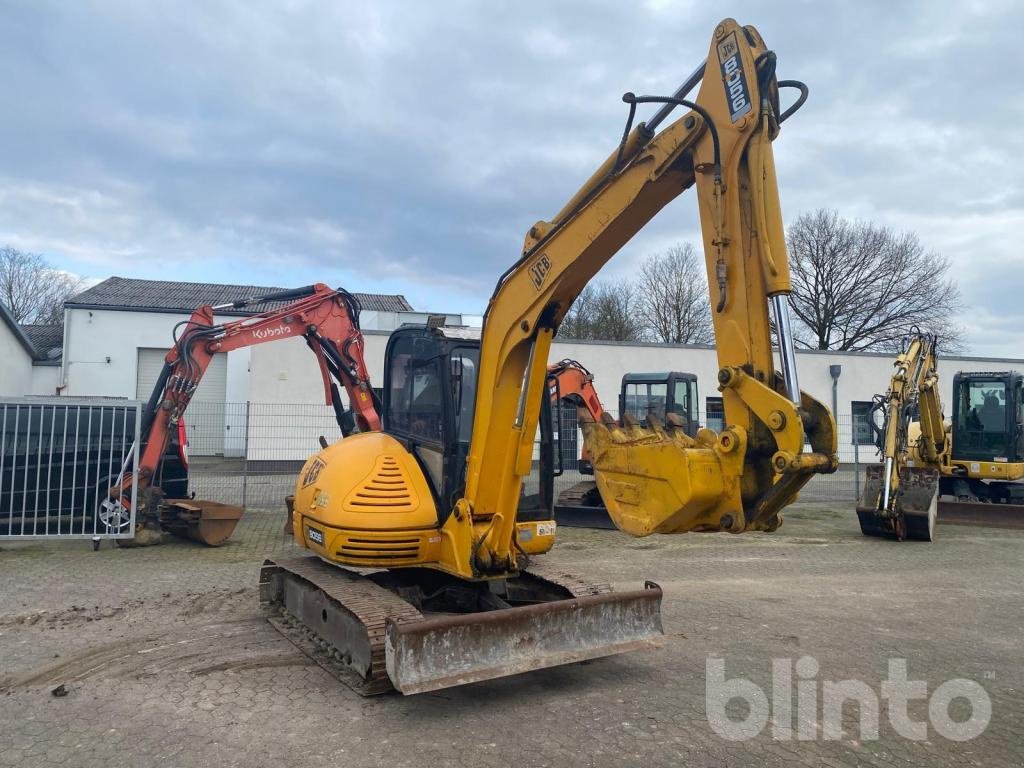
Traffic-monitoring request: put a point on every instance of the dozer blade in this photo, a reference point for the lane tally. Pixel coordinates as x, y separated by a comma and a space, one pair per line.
372, 639
208, 522
981, 514
916, 504
446, 651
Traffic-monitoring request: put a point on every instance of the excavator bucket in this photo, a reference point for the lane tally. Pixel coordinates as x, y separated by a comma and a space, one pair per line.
208, 522
446, 651
916, 504
656, 479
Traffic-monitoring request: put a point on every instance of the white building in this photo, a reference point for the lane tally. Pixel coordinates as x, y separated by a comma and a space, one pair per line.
267, 399
117, 333
288, 373
29, 358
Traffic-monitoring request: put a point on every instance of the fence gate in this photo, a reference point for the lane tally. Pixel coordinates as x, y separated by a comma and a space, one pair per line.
58, 458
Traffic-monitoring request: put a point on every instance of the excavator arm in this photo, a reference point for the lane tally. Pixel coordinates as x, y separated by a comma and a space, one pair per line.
739, 479
900, 495
569, 380
328, 320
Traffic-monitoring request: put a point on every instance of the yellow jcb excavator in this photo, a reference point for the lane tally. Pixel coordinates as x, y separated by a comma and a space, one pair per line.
450, 503
975, 460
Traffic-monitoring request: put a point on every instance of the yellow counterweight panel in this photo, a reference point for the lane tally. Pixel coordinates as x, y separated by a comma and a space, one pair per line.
364, 501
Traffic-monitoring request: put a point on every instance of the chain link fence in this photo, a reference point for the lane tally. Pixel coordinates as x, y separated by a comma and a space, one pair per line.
250, 453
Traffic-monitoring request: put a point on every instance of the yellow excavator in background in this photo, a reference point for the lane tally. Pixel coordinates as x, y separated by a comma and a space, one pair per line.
452, 500
975, 460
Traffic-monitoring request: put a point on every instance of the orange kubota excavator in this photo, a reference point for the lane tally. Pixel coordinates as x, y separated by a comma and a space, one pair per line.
328, 320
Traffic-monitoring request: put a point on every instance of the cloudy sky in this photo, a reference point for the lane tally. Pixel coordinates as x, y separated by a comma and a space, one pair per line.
407, 147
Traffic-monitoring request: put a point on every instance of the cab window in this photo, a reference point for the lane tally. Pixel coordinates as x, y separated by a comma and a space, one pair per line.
645, 398
415, 404
981, 417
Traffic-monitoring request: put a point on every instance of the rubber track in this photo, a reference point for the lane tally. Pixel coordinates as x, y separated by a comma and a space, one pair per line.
373, 605
575, 495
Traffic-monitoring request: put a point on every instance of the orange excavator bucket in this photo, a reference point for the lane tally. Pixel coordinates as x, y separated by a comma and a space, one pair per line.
208, 522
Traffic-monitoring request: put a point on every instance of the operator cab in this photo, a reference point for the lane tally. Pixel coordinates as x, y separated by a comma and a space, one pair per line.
430, 386
659, 394
988, 417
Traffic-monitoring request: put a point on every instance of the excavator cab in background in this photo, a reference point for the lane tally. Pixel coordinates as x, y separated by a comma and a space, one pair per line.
658, 395
987, 448
988, 417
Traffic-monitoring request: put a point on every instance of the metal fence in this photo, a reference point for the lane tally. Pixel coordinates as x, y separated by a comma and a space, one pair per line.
58, 458
250, 453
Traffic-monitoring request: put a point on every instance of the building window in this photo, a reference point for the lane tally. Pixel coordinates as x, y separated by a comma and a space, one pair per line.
715, 416
862, 434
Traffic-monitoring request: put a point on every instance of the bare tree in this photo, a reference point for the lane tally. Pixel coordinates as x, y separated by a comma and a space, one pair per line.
860, 286
31, 289
673, 300
604, 311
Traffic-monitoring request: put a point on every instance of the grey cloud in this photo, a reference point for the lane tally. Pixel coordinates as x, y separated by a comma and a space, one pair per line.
408, 146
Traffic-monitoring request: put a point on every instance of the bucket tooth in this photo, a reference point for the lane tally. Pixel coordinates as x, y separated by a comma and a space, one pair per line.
675, 427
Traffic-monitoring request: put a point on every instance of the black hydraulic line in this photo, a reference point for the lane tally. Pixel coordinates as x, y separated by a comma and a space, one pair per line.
289, 295
630, 98
804, 91
149, 414
339, 410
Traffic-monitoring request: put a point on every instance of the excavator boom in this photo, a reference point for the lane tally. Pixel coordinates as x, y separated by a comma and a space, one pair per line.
452, 500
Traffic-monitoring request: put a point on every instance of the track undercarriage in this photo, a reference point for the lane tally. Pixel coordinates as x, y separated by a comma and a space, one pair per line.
418, 630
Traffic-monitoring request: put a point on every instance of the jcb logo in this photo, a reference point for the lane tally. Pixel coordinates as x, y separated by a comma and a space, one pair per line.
312, 473
539, 271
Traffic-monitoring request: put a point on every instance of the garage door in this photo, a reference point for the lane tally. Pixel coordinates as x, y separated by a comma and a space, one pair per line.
205, 414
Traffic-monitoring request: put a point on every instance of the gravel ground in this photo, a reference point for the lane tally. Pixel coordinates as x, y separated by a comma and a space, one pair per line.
166, 659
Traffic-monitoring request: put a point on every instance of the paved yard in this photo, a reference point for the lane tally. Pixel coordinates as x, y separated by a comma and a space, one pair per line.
167, 660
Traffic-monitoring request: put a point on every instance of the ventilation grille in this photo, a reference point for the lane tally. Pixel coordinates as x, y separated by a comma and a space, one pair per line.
385, 489
391, 550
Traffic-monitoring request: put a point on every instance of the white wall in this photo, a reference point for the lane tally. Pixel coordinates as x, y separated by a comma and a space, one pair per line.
286, 372
15, 365
45, 380
375, 320
101, 351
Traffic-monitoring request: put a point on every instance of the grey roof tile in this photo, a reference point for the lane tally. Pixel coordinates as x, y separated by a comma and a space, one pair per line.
157, 295
45, 338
